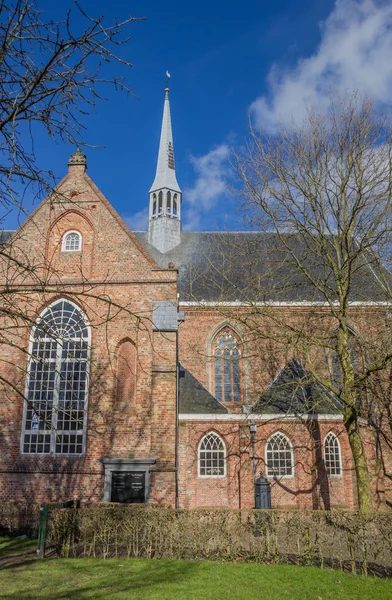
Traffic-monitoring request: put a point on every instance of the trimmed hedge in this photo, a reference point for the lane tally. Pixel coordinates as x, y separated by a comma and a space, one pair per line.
339, 539
19, 518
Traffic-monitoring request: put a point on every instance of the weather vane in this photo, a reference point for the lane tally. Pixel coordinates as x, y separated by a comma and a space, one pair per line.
168, 77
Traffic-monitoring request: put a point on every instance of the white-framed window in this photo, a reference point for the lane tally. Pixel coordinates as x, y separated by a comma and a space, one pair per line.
72, 242
227, 367
332, 455
279, 456
212, 456
55, 411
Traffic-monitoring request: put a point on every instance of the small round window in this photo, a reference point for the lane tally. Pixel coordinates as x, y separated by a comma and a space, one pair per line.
72, 242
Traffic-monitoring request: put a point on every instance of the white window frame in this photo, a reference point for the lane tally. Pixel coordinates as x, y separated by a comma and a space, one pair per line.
273, 475
224, 457
333, 475
64, 241
25, 403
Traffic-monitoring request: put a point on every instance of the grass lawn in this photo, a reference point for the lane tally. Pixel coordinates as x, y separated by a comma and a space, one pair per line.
24, 577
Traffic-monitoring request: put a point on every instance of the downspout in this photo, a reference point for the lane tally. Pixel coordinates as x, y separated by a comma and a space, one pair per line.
179, 321
177, 424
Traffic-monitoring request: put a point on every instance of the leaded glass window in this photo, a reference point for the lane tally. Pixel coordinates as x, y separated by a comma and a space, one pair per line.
332, 457
279, 456
72, 242
355, 356
57, 385
212, 456
227, 368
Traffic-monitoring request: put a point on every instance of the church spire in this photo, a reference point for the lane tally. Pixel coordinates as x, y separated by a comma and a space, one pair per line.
165, 176
164, 225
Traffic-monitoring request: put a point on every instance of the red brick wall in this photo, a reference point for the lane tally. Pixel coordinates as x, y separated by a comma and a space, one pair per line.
112, 265
308, 488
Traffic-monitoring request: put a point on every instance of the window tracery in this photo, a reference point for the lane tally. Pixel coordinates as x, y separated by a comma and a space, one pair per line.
332, 455
212, 456
72, 241
279, 456
57, 382
227, 368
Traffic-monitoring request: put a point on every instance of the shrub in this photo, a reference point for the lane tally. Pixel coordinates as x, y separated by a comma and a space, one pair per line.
341, 539
19, 518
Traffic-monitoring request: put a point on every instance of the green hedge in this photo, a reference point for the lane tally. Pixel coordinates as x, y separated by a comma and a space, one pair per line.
339, 539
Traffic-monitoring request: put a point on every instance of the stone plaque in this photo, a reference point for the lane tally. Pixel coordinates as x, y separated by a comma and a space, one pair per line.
128, 486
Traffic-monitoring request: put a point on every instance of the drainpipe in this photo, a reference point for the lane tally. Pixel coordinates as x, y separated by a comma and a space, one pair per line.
180, 320
177, 422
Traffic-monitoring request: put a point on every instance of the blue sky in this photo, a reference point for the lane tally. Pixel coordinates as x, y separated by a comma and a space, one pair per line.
229, 62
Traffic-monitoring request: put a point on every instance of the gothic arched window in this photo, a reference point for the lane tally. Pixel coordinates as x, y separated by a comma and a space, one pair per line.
212, 456
72, 242
227, 368
332, 455
154, 205
168, 202
355, 355
279, 456
57, 382
160, 203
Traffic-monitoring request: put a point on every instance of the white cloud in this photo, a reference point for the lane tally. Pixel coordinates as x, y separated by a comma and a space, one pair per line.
211, 172
355, 52
138, 221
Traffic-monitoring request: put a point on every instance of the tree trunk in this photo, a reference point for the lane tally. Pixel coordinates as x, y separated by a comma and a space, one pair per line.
359, 457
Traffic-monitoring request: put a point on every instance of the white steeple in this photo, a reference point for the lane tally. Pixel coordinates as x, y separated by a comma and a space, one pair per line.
165, 176
164, 225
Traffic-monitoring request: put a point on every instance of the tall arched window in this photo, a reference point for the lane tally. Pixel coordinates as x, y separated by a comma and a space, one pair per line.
175, 209
57, 382
279, 456
168, 202
154, 205
212, 456
332, 455
72, 242
227, 368
160, 203
356, 359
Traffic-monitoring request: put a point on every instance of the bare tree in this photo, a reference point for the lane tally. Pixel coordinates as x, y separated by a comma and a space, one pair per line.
316, 281
51, 75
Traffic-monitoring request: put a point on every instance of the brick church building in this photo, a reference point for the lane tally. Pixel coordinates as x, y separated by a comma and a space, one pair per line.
127, 375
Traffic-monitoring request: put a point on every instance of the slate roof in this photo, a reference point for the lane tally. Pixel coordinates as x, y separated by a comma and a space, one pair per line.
4, 235
194, 398
254, 266
294, 392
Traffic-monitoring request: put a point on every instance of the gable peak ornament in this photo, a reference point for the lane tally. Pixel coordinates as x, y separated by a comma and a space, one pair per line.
78, 158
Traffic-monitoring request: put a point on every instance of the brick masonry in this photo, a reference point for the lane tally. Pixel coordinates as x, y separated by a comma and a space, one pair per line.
132, 388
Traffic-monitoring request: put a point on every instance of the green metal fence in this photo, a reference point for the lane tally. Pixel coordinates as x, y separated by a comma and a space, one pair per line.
43, 522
